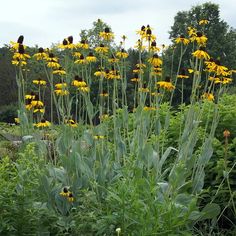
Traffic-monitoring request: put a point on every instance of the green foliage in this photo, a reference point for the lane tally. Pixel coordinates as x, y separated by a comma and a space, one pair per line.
8, 113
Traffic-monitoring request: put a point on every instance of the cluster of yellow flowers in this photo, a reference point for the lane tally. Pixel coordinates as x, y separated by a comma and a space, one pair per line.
112, 64
67, 194
217, 73
19, 57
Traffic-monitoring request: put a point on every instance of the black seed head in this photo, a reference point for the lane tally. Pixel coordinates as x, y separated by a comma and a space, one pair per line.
153, 44
107, 30
40, 50
149, 31
155, 56
70, 39
65, 190
199, 34
167, 79
20, 39
143, 28
21, 49
65, 42
51, 55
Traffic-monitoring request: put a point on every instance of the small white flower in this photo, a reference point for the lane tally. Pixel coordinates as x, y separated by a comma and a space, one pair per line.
118, 230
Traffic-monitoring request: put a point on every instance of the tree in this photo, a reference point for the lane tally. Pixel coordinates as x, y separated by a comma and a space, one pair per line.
92, 35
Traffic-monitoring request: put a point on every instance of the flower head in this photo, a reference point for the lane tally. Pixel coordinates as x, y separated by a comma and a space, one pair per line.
101, 49
40, 55
42, 124
167, 85
182, 39
106, 34
91, 58
83, 44
183, 74
201, 54
122, 54
155, 60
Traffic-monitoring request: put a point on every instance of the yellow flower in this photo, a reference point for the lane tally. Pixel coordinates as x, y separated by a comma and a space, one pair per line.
77, 54
104, 117
190, 71
52, 61
101, 49
135, 78
122, 54
104, 94
182, 39
18, 62
20, 57
227, 80
41, 55
78, 82
52, 64
37, 103
208, 96
39, 110
71, 123
81, 60
146, 108
192, 32
100, 73
39, 82
106, 34
155, 60
17, 120
65, 192
15, 45
154, 47
113, 59
203, 22
138, 70
141, 32
91, 58
182, 74
84, 89
201, 54
83, 44
201, 39
216, 80
144, 89
98, 137
156, 70
70, 197
59, 71
61, 92
67, 43
148, 34
61, 85
139, 45
112, 74
42, 124
30, 96
166, 84
216, 67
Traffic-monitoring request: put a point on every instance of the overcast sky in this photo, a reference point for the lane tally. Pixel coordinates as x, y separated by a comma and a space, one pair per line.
44, 22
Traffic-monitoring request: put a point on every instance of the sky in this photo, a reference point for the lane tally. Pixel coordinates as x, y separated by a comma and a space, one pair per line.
43, 22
